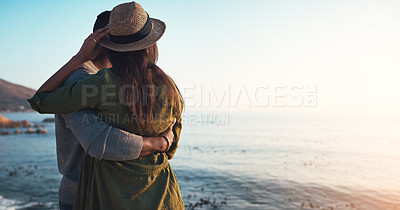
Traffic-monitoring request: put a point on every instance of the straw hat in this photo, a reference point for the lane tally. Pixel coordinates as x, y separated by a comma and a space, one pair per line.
132, 29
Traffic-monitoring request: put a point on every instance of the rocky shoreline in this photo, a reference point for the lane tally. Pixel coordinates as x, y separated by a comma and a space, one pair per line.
10, 125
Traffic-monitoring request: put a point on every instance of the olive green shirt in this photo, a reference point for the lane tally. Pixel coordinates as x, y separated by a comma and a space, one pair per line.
144, 183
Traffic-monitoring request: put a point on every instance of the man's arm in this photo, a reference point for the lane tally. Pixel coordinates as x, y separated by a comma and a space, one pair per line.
100, 140
103, 141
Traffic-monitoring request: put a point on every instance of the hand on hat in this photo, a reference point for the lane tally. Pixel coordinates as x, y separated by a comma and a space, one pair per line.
90, 47
89, 50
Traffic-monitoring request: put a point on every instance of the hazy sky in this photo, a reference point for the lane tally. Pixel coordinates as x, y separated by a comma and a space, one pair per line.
348, 50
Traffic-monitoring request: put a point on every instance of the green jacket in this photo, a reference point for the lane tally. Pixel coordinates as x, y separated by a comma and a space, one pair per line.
144, 183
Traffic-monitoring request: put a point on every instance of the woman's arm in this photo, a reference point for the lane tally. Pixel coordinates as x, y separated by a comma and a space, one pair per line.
89, 50
64, 101
86, 93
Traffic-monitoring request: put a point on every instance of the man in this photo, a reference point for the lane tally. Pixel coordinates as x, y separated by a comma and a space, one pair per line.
83, 132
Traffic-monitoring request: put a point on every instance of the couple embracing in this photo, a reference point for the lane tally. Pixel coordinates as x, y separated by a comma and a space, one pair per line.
116, 163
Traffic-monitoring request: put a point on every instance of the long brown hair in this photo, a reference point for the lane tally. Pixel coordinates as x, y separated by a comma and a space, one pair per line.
137, 71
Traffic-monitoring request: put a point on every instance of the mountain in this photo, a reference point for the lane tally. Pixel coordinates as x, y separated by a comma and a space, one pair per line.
13, 97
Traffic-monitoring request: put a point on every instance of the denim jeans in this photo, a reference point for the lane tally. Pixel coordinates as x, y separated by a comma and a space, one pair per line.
64, 206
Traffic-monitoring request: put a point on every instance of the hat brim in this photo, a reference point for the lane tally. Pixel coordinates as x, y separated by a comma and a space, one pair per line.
155, 34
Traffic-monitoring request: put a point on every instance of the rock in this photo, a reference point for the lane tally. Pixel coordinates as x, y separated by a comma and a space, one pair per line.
41, 131
13, 173
7, 123
18, 131
5, 132
30, 130
47, 120
26, 124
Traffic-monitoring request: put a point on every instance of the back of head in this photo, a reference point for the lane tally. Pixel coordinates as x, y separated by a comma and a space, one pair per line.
101, 20
101, 60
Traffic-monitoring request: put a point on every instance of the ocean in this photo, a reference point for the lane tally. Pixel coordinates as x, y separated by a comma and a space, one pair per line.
240, 160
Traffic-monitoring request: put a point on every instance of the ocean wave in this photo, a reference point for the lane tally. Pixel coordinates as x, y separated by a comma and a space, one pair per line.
7, 203
10, 204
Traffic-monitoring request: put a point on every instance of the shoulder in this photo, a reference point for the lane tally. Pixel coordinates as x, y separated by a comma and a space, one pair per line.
102, 77
107, 75
77, 75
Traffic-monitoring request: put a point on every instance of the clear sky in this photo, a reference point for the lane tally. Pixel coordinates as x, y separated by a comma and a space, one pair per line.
349, 50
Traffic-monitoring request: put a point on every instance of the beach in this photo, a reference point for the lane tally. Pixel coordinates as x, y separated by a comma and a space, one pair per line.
239, 160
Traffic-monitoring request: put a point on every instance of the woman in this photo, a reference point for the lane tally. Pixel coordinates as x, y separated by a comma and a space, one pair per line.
135, 95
